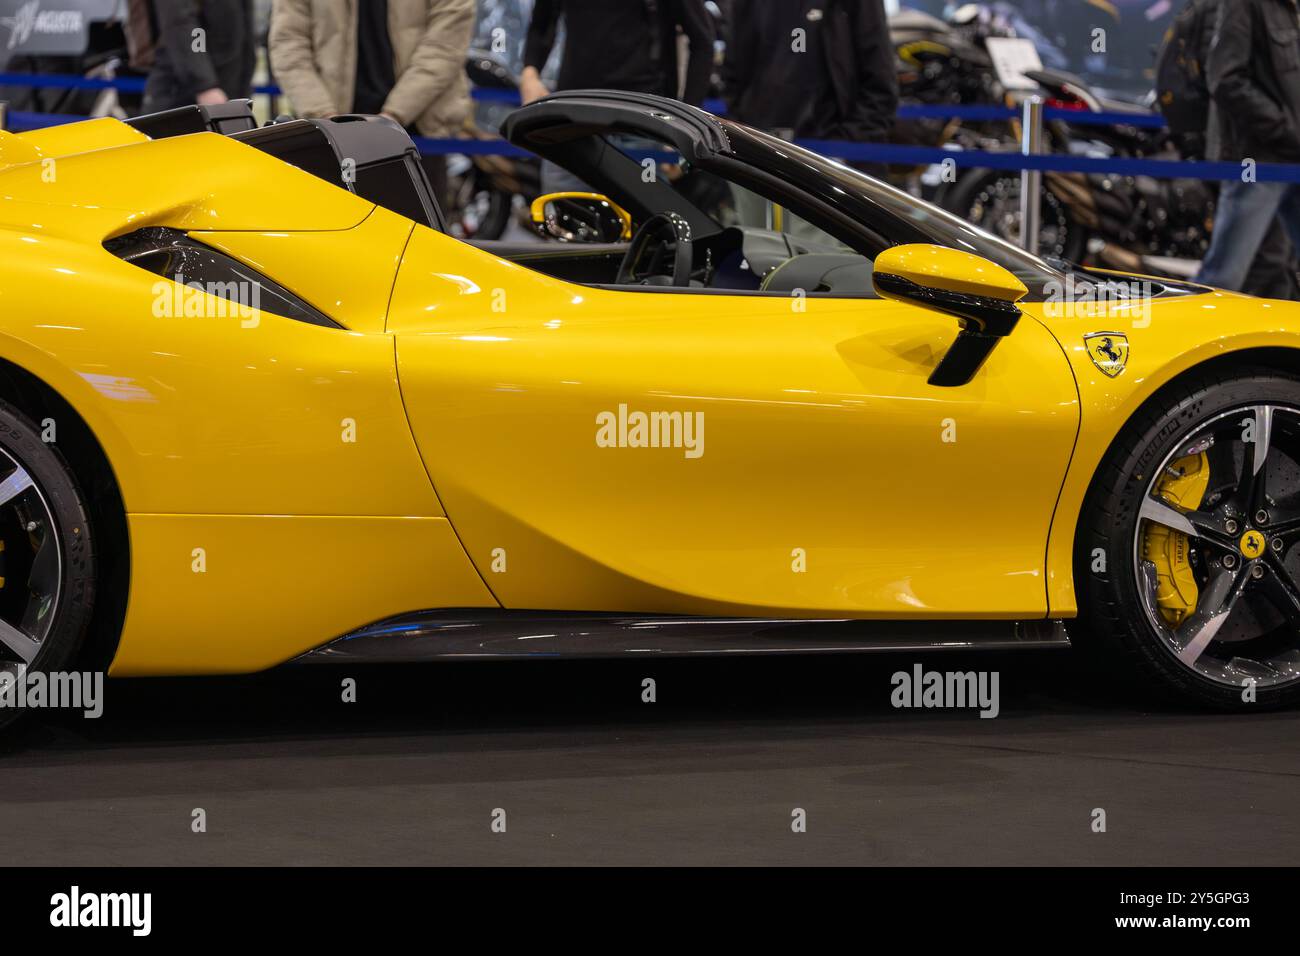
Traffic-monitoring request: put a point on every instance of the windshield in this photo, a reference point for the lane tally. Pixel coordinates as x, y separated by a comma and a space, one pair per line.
891, 213
724, 201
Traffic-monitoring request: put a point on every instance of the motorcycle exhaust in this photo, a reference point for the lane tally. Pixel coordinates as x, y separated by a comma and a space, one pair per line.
1111, 256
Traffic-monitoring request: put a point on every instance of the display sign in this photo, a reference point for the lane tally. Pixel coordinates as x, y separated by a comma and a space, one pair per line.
1013, 57
51, 27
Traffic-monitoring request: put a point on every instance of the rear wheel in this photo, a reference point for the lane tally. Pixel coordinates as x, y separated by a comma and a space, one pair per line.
47, 565
1196, 512
990, 199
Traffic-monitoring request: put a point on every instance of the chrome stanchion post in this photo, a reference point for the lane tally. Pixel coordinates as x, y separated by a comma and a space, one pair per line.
4, 113
1031, 180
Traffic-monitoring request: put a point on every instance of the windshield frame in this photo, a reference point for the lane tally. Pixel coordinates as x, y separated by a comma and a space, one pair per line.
890, 217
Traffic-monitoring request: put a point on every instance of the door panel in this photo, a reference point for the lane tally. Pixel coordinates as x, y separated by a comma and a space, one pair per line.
831, 480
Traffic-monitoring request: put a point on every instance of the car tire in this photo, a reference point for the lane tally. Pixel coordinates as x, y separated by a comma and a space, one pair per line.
1114, 616
48, 518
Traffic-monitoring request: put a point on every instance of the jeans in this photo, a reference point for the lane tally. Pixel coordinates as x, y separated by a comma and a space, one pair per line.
1245, 213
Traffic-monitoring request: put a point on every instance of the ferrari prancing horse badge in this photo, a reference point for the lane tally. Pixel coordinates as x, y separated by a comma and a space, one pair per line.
1108, 351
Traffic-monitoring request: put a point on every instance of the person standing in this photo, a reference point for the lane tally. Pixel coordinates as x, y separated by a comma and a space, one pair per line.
816, 69
1254, 78
404, 59
620, 45
617, 45
204, 53
1183, 96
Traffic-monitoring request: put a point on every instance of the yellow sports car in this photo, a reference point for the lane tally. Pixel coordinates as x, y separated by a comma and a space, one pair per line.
256, 405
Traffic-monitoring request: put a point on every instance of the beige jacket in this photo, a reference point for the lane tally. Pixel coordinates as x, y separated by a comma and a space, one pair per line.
313, 49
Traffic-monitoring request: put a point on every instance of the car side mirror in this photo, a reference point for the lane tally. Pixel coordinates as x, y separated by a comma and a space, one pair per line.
581, 217
980, 294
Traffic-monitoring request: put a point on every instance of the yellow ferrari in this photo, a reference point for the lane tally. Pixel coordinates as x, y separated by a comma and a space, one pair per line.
256, 405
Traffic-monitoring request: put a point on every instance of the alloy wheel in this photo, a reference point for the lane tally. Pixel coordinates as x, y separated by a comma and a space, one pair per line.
1215, 549
30, 566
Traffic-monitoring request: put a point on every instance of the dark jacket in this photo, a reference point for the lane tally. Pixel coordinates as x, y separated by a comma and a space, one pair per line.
1254, 77
180, 72
834, 79
625, 45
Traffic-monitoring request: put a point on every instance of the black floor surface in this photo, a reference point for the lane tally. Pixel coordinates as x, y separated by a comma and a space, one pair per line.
710, 773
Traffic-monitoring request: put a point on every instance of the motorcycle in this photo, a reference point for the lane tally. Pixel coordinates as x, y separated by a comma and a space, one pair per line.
1134, 223
482, 190
942, 63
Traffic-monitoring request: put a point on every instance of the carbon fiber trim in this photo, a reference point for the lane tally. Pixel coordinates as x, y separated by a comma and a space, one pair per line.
479, 633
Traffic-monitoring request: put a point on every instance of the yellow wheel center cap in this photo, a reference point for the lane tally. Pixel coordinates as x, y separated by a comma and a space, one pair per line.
1252, 544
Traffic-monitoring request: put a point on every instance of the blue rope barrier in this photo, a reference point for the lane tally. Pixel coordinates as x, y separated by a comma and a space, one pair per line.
61, 81
1105, 118
894, 153
70, 81
870, 153
971, 113
19, 121
471, 147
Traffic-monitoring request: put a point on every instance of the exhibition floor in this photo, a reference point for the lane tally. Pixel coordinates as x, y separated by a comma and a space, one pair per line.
709, 774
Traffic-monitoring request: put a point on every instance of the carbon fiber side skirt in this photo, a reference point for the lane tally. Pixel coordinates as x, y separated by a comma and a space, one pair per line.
482, 633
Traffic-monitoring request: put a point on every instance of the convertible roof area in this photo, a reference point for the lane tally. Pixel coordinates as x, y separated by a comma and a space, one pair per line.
117, 174
103, 191
371, 156
570, 128
572, 114
574, 128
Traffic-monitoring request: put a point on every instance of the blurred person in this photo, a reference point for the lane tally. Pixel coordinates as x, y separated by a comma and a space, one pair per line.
815, 69
140, 29
203, 52
834, 79
1183, 96
620, 45
404, 59
1253, 74
617, 45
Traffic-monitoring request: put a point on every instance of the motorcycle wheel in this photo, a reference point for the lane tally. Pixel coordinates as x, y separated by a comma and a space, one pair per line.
990, 199
478, 209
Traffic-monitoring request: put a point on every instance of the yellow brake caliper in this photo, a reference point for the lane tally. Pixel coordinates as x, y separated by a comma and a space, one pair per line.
1182, 486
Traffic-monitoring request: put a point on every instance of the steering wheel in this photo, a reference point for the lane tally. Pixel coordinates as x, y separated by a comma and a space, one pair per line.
659, 236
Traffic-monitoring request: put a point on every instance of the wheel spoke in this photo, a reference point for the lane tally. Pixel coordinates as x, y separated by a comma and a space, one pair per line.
1281, 587
1283, 523
44, 576
1161, 513
1212, 611
1262, 444
1198, 524
18, 642
13, 486
1254, 461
